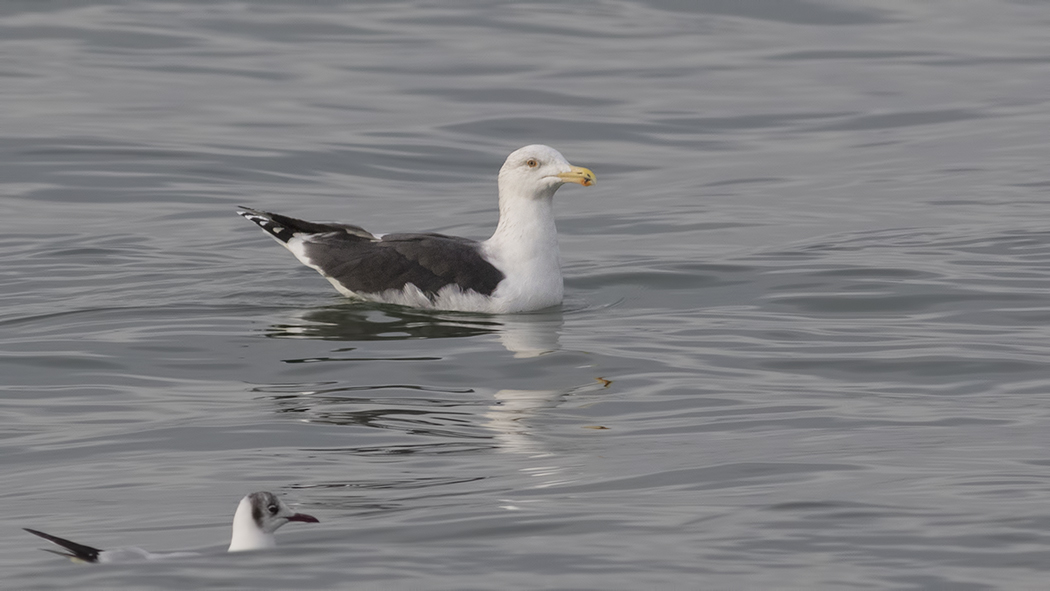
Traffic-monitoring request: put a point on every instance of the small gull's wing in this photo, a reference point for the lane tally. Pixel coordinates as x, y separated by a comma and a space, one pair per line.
75, 551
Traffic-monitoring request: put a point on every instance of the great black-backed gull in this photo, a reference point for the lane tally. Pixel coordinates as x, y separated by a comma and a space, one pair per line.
516, 270
258, 516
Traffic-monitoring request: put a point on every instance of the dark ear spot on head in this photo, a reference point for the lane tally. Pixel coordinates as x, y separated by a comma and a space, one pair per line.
257, 513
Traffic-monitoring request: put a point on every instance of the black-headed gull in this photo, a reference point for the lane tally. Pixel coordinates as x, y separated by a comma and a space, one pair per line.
258, 516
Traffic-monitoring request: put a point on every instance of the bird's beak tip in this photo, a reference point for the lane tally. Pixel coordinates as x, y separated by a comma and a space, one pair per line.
579, 174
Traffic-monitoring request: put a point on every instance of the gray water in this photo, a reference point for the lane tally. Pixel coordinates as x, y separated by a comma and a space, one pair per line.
804, 343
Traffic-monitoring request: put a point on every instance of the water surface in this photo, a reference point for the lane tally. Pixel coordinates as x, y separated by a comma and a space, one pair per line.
804, 343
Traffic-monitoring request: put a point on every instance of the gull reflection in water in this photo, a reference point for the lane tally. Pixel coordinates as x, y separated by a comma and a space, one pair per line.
418, 419
531, 335
509, 417
524, 335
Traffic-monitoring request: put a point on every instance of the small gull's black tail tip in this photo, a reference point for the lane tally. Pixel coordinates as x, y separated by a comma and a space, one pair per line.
76, 551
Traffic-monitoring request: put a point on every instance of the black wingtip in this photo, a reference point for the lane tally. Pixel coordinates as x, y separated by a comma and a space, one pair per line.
76, 551
280, 227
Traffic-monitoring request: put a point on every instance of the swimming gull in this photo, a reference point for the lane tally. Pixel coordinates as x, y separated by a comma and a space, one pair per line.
258, 516
518, 269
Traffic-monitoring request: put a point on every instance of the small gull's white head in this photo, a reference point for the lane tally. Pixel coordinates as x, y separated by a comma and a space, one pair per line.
537, 171
258, 516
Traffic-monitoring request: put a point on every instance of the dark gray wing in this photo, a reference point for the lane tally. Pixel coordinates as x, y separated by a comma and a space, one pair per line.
428, 261
78, 551
366, 264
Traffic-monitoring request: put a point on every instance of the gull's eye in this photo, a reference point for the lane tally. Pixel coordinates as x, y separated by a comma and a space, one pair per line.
272, 509
531, 163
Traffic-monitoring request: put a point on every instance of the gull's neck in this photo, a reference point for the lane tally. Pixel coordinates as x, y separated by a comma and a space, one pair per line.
246, 533
526, 236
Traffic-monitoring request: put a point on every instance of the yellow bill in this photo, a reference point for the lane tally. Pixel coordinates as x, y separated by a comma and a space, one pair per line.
578, 174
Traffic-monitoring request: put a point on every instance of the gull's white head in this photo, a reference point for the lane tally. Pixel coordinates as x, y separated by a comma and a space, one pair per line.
537, 171
258, 516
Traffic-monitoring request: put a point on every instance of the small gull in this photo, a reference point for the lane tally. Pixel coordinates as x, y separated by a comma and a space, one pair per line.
518, 269
258, 516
